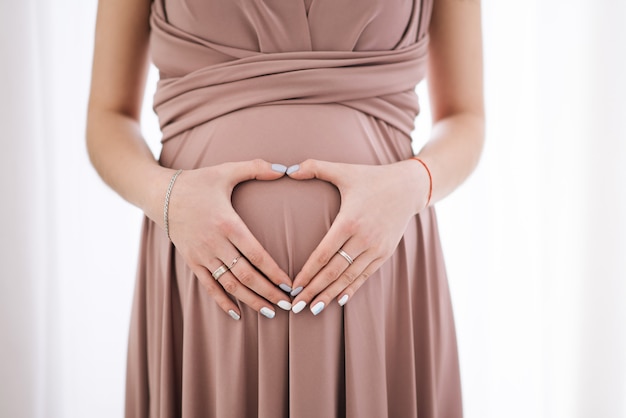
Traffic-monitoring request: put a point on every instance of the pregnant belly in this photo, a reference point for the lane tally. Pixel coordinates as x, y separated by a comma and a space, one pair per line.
288, 217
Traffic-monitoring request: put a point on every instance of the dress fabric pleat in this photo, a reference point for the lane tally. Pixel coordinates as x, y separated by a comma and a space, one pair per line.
285, 81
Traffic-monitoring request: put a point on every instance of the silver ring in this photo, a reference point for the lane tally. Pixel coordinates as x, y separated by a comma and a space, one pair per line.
346, 256
219, 272
232, 263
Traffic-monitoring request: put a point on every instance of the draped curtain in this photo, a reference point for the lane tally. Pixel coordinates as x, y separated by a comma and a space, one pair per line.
534, 240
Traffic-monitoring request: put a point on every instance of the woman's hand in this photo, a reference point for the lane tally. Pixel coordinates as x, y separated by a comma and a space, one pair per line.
377, 203
208, 233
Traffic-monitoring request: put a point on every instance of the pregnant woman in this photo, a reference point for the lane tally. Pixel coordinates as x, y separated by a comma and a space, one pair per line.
290, 263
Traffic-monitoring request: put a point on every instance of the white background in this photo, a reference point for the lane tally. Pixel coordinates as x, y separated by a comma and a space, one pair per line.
534, 240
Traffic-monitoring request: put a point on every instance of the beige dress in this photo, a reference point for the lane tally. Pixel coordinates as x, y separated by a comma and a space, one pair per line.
287, 80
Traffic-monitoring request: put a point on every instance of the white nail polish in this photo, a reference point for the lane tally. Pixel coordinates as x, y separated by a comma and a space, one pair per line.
319, 307
285, 287
299, 307
234, 315
279, 168
296, 291
268, 313
293, 169
283, 304
343, 300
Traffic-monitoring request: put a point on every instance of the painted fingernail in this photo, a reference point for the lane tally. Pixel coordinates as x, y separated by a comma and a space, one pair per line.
296, 291
319, 307
283, 304
279, 168
285, 287
234, 315
293, 169
299, 307
343, 300
268, 313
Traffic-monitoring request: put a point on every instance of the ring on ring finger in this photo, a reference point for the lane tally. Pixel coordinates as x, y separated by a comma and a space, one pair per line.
345, 255
221, 270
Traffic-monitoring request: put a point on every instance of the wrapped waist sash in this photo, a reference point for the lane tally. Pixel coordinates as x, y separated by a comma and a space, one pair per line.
201, 80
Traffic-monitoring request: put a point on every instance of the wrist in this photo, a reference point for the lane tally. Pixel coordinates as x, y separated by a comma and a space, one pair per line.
430, 179
423, 183
166, 205
153, 203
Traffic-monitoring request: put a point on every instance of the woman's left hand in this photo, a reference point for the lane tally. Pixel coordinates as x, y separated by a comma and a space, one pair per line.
377, 202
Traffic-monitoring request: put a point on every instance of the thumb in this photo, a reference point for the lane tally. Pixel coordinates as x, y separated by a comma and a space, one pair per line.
257, 169
323, 170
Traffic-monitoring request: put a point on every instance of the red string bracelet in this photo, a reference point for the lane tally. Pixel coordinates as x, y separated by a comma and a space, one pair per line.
430, 177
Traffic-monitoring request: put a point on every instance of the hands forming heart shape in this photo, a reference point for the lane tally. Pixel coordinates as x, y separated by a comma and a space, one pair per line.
377, 202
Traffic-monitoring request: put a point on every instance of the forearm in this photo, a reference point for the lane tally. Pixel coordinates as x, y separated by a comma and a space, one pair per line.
122, 158
453, 151
114, 141
455, 83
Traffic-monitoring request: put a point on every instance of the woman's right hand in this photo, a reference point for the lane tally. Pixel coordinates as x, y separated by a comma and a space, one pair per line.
208, 233
203, 224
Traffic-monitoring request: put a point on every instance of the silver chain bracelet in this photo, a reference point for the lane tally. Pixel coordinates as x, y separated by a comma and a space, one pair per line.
166, 222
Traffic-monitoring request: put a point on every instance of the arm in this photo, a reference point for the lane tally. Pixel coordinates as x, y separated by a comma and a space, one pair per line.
207, 232
366, 228
455, 80
114, 141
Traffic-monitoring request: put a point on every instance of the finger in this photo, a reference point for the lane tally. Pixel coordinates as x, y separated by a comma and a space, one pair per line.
346, 294
217, 292
247, 244
249, 277
323, 170
256, 169
231, 285
334, 239
335, 269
